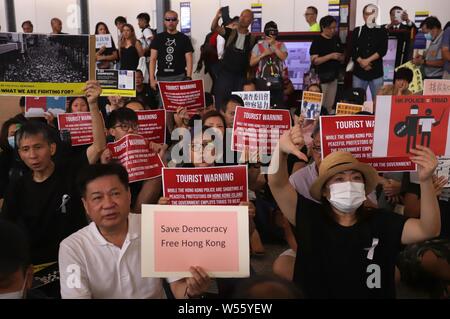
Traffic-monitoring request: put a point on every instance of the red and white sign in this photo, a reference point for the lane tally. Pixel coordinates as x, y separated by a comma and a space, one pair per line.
226, 185
354, 134
79, 126
152, 125
133, 152
259, 129
188, 94
402, 122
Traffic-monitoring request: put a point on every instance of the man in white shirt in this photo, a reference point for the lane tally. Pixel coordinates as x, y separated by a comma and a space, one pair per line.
103, 260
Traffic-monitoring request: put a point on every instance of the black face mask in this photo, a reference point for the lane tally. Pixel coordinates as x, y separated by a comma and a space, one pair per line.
271, 32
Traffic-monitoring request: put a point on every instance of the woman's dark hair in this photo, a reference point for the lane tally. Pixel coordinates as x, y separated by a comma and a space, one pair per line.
69, 107
431, 23
326, 21
404, 74
209, 114
4, 145
98, 26
92, 172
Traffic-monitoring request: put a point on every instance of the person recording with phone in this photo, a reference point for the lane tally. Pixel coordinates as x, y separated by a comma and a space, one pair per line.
269, 56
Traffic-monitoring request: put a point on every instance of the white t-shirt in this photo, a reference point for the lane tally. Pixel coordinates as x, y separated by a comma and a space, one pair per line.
427, 123
146, 38
105, 270
220, 46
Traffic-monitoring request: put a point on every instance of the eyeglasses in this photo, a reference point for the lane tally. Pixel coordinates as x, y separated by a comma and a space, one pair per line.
126, 127
171, 19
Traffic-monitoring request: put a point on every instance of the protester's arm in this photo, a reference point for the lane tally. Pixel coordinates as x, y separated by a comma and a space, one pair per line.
149, 193
429, 223
189, 63
215, 24
93, 91
152, 68
285, 195
191, 287
281, 54
316, 60
139, 48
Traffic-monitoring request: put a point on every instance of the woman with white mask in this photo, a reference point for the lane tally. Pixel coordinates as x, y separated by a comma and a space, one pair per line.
369, 45
346, 250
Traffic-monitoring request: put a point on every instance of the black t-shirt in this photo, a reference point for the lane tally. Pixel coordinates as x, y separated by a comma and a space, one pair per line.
322, 46
370, 41
129, 58
236, 60
37, 207
171, 53
332, 260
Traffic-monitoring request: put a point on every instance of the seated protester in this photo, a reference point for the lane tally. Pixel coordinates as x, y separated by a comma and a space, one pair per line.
228, 108
203, 154
121, 122
108, 250
426, 265
249, 85
431, 62
352, 251
16, 270
402, 78
45, 202
11, 168
106, 57
302, 181
144, 94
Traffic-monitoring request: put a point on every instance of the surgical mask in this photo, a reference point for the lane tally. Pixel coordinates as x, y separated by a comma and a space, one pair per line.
347, 197
11, 141
15, 294
428, 36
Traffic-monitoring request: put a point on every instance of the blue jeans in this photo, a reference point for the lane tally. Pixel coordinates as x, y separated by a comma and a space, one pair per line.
374, 85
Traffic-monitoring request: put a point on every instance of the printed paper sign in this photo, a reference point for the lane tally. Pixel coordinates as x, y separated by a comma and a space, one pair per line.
402, 122
152, 125
436, 87
443, 169
416, 84
133, 152
78, 125
354, 134
174, 238
188, 94
255, 99
34, 64
225, 185
103, 40
116, 82
311, 104
348, 109
38, 106
260, 130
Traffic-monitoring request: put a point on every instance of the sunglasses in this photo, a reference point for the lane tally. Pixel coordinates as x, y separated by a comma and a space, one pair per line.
171, 19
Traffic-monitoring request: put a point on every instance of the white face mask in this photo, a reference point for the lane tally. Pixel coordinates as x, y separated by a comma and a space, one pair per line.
347, 197
11, 141
15, 294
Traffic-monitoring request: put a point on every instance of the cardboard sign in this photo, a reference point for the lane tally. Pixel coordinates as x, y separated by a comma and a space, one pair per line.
103, 40
226, 185
402, 122
188, 94
348, 109
33, 64
311, 104
255, 99
174, 238
436, 87
133, 152
354, 134
152, 125
39, 106
443, 169
259, 129
78, 125
116, 82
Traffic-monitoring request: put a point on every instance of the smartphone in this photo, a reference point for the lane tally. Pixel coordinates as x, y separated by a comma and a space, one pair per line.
225, 14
